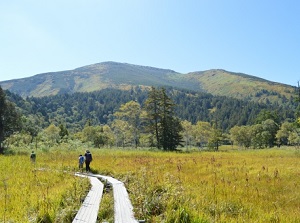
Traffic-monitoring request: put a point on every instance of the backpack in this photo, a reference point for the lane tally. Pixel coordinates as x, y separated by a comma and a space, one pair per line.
32, 156
88, 157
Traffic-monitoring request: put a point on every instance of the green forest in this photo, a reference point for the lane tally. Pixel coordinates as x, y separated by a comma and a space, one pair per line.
166, 118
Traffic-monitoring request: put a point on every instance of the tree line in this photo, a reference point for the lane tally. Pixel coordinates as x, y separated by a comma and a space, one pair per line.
159, 117
74, 110
158, 123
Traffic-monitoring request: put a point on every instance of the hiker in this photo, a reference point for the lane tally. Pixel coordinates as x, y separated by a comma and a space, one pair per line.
88, 160
32, 157
81, 161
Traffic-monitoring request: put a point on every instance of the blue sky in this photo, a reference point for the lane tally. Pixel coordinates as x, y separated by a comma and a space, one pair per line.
256, 37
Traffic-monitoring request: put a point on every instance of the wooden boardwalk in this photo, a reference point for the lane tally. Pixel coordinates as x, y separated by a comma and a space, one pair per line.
123, 210
88, 211
122, 205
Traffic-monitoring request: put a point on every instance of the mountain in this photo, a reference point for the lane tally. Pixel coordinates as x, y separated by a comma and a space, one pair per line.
242, 86
124, 76
94, 77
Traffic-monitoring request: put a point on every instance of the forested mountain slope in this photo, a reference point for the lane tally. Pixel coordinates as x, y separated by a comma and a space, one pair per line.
125, 76
75, 110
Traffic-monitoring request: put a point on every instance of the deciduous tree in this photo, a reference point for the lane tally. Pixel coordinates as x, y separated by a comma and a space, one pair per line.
202, 132
51, 135
131, 112
241, 135
187, 132
122, 132
284, 132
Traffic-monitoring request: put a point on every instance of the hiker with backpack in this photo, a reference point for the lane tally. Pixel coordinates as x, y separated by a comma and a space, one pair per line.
88, 160
32, 157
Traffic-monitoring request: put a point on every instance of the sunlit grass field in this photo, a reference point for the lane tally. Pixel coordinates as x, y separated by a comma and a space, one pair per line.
40, 192
225, 186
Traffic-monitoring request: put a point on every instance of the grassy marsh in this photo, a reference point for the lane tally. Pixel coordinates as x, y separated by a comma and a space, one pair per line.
225, 186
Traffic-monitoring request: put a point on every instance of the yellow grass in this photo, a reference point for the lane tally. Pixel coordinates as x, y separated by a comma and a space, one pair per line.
225, 186
236, 186
32, 192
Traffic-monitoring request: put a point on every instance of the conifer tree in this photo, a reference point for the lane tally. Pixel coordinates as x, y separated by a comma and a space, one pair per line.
162, 123
9, 119
153, 106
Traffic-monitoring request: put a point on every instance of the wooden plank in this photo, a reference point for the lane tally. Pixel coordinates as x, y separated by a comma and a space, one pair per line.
122, 205
88, 211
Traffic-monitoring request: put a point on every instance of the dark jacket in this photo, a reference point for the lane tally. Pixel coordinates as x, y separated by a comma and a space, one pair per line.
88, 157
